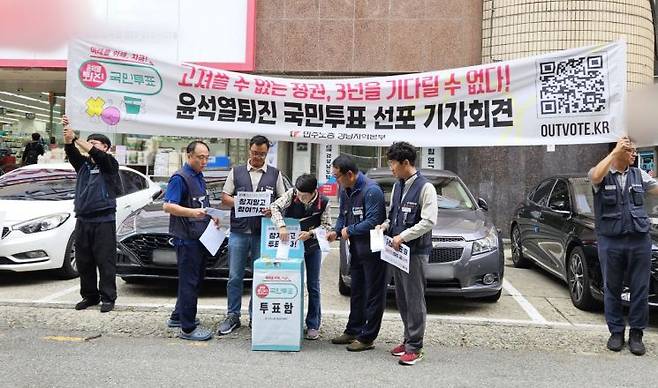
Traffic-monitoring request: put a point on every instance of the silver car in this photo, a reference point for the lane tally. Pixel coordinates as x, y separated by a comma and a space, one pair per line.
467, 257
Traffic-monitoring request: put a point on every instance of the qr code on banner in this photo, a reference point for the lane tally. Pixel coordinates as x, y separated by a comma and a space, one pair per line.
573, 86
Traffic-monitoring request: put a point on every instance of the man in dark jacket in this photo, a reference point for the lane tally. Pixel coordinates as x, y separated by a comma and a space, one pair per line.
362, 208
96, 189
624, 243
32, 150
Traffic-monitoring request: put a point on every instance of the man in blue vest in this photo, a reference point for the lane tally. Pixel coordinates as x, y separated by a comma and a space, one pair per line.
244, 241
305, 203
186, 201
624, 243
362, 208
95, 206
411, 216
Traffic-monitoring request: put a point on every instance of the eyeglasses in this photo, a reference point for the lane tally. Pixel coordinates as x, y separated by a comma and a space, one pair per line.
258, 154
202, 157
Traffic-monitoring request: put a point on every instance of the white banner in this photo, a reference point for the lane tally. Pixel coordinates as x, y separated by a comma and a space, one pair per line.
250, 204
567, 97
399, 258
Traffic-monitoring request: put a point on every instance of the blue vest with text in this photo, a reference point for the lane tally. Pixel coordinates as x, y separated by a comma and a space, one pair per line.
242, 182
299, 211
620, 210
194, 197
406, 214
352, 207
94, 192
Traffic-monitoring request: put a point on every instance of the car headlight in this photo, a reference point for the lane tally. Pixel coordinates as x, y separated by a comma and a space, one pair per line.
487, 244
42, 224
128, 226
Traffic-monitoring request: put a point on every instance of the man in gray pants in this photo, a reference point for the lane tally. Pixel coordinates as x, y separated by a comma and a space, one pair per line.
412, 215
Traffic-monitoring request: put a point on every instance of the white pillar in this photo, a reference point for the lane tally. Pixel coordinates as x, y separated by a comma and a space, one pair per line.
432, 158
326, 154
301, 160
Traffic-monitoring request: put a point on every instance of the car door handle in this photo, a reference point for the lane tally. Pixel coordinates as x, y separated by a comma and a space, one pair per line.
127, 207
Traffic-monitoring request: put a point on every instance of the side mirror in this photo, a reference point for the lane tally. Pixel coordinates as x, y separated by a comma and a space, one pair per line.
560, 207
483, 204
156, 195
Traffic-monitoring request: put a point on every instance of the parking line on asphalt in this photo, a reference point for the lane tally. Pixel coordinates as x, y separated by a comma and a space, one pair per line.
59, 294
523, 302
58, 338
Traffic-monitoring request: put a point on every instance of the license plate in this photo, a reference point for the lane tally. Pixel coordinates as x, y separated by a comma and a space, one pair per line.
443, 272
164, 257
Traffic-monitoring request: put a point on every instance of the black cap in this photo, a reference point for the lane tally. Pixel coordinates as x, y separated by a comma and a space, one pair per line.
100, 137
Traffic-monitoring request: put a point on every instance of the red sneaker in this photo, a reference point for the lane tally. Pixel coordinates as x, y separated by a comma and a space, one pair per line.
410, 358
398, 350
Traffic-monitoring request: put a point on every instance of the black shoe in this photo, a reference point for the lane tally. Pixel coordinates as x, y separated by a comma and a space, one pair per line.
635, 342
83, 304
616, 342
343, 339
107, 307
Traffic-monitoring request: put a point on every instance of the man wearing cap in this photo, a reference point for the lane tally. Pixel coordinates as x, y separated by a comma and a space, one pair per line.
96, 189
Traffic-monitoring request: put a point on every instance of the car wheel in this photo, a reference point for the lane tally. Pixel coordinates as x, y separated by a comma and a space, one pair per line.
492, 298
579, 281
518, 259
343, 288
69, 269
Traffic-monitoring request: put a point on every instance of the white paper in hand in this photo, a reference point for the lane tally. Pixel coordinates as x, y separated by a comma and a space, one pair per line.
283, 249
212, 238
321, 235
376, 240
212, 212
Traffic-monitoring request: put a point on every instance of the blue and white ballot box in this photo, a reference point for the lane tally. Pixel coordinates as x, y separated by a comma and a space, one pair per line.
278, 291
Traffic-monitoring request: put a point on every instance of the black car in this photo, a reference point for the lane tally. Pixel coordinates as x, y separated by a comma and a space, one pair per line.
554, 229
467, 257
145, 248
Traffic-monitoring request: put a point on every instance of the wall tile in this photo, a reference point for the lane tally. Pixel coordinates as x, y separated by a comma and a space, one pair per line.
302, 45
337, 41
370, 45
336, 9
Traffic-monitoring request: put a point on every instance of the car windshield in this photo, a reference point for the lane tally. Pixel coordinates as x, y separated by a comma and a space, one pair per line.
584, 198
451, 193
38, 184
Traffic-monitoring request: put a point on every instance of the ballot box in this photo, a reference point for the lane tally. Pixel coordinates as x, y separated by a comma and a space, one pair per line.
278, 291
278, 305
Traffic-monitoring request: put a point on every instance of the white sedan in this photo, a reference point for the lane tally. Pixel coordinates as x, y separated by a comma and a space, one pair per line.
37, 218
